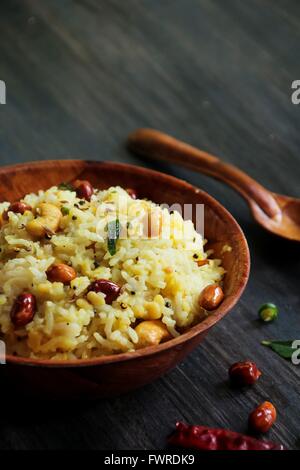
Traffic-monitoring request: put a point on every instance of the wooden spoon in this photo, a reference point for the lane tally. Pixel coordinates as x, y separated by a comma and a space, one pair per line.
276, 213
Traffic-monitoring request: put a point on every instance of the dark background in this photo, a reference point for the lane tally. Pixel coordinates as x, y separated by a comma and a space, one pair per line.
80, 76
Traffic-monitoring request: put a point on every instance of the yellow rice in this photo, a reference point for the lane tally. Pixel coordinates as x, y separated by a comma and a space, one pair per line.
159, 275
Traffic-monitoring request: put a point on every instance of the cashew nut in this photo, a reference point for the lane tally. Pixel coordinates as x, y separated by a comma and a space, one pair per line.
151, 333
47, 222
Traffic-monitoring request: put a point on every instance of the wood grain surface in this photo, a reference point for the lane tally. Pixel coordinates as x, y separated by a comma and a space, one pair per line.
80, 76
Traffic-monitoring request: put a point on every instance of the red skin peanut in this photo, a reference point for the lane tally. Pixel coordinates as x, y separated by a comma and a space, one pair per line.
109, 288
244, 373
132, 193
18, 207
263, 417
84, 189
23, 310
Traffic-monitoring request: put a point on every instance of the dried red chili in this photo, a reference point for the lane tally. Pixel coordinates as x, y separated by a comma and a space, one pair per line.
204, 438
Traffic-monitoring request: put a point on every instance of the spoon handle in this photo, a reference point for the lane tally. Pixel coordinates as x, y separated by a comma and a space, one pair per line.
155, 144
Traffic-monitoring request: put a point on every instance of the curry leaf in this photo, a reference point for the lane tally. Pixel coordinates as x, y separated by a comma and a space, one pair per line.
65, 187
113, 233
284, 349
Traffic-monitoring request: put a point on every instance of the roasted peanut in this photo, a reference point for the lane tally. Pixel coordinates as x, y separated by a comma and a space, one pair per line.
23, 310
263, 417
244, 373
61, 273
84, 189
202, 262
46, 223
109, 288
211, 297
151, 333
132, 193
18, 207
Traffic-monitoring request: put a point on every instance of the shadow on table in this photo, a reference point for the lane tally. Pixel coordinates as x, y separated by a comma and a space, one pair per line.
275, 251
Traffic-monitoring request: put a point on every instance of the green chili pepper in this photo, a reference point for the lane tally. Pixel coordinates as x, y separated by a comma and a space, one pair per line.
268, 312
113, 229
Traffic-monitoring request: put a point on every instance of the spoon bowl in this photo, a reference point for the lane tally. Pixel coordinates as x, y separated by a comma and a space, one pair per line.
287, 223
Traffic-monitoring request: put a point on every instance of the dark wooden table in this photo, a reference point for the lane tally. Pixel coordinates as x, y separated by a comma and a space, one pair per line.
80, 76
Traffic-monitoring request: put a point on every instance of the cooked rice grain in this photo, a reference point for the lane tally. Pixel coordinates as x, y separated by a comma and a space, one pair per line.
159, 276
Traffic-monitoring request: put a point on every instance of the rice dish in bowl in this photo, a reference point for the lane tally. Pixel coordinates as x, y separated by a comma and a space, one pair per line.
87, 274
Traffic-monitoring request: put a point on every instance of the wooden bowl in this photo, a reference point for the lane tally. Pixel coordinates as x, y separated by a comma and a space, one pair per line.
117, 374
